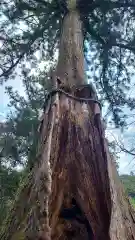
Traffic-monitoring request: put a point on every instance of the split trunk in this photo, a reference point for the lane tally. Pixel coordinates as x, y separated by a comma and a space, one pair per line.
74, 191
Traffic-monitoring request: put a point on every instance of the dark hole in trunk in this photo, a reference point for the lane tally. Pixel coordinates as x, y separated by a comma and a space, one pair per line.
74, 213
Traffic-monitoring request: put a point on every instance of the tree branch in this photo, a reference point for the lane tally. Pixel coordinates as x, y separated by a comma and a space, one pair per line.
101, 40
121, 45
88, 6
5, 73
45, 3
121, 146
126, 151
93, 33
111, 5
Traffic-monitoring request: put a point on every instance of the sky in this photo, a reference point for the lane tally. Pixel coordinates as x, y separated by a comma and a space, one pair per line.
126, 162
4, 99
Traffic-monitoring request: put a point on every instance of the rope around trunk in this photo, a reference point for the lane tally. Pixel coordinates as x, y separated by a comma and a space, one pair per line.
61, 91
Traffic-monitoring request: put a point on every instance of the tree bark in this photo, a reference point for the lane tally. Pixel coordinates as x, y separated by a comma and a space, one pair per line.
70, 66
74, 191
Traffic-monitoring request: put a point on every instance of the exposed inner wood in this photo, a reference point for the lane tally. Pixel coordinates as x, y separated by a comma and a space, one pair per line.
84, 179
75, 172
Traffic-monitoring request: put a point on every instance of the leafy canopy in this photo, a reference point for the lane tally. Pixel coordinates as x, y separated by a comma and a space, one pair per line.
31, 26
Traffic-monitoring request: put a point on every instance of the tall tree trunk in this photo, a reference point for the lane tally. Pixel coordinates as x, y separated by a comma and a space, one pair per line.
74, 189
70, 66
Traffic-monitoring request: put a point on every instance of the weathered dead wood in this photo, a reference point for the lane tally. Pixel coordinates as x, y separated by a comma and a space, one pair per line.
83, 173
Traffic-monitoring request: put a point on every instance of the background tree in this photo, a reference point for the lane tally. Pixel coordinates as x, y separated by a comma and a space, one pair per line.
19, 137
19, 131
9, 182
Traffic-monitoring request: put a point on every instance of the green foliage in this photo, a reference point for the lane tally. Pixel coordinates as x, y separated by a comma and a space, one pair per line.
19, 135
9, 182
23, 182
129, 183
132, 201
